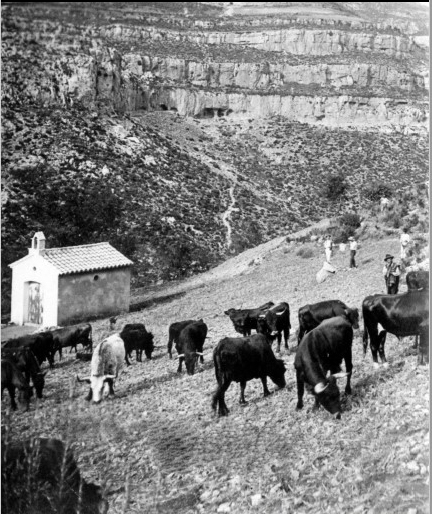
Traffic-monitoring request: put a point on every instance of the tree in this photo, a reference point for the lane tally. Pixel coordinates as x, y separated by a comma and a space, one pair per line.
335, 187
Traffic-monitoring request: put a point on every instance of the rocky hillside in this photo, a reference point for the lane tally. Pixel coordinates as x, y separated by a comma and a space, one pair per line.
185, 132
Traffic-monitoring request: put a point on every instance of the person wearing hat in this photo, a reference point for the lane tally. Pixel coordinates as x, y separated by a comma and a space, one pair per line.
353, 251
391, 272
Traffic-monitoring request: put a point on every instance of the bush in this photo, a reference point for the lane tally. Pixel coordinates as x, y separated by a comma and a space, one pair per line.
341, 234
393, 219
350, 219
335, 186
305, 252
376, 190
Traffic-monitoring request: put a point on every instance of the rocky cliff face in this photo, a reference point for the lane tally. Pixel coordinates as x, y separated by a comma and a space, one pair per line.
355, 77
295, 41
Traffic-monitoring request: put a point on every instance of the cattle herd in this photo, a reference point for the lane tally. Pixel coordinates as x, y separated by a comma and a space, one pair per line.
325, 336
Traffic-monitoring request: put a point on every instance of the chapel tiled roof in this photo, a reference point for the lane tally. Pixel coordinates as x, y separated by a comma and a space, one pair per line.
76, 259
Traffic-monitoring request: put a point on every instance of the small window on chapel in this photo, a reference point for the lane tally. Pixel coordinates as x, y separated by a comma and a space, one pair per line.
96, 277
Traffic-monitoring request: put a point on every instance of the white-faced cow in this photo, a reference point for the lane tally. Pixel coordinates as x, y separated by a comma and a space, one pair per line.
275, 321
242, 359
405, 314
244, 320
189, 345
41, 475
311, 315
322, 350
106, 364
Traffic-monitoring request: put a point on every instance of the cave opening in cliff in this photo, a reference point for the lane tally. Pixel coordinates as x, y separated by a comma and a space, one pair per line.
174, 109
221, 112
163, 107
207, 112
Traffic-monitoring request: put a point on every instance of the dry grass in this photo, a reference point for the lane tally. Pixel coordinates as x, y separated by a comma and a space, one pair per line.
160, 437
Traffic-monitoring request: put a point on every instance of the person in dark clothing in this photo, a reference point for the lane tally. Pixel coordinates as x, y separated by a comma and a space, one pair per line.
391, 272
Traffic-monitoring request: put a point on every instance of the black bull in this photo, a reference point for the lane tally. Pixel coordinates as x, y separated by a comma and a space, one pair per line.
310, 316
245, 320
402, 315
242, 359
322, 350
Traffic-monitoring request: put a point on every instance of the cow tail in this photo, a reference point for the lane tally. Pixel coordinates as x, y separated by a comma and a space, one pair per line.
365, 334
217, 366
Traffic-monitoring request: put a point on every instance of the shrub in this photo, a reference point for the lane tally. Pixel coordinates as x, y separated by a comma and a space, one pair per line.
335, 186
350, 219
376, 190
393, 219
341, 234
413, 220
305, 252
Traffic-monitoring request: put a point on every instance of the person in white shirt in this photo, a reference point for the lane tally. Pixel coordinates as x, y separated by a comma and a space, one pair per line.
328, 247
353, 250
404, 241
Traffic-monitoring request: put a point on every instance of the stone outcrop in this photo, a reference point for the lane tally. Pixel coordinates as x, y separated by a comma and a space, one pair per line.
298, 41
271, 75
341, 111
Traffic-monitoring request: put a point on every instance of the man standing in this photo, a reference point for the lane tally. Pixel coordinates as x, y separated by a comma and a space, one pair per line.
391, 272
404, 241
353, 250
328, 246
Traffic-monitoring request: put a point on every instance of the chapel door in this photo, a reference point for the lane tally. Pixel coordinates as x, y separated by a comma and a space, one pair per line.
34, 303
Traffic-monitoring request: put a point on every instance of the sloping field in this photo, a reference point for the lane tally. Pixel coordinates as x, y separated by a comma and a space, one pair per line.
159, 438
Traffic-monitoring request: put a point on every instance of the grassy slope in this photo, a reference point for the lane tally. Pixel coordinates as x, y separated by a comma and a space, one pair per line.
161, 429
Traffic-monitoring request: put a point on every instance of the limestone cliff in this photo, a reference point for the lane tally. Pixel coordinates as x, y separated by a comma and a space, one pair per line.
365, 78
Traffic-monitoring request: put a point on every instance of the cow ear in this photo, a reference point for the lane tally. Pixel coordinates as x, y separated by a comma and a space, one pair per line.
346, 311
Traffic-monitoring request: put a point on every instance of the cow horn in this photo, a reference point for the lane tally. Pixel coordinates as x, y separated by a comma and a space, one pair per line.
319, 388
180, 355
280, 313
261, 316
83, 379
199, 353
341, 374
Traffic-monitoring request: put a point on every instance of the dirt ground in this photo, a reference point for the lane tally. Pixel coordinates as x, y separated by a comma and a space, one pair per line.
13, 331
158, 447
